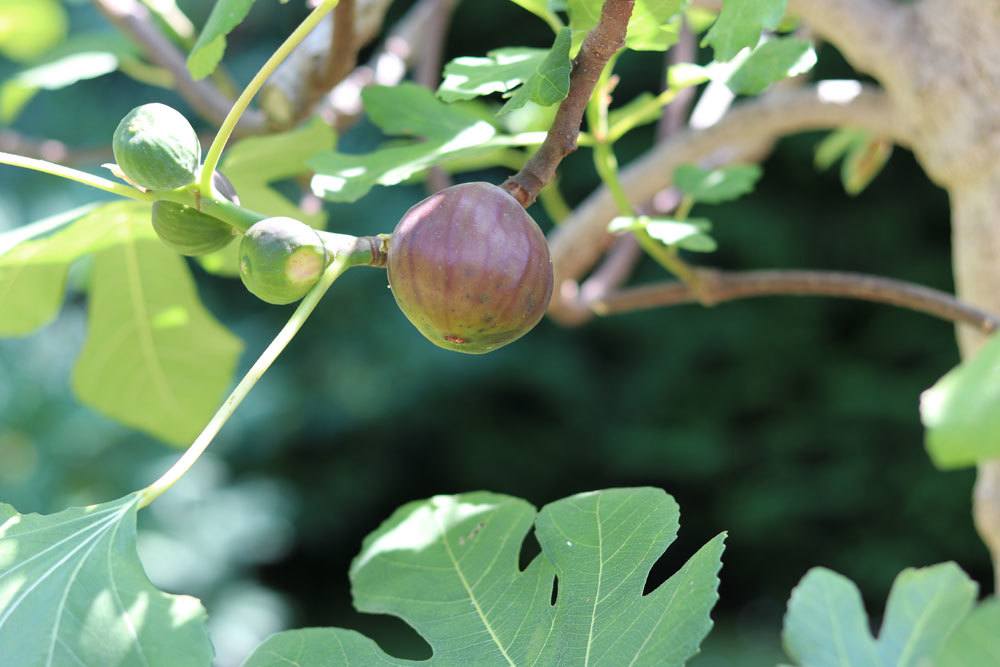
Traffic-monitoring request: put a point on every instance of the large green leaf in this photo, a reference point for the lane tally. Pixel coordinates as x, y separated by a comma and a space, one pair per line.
155, 358
73, 593
740, 24
826, 624
29, 29
976, 641
653, 26
447, 131
449, 567
207, 52
960, 411
33, 270
253, 164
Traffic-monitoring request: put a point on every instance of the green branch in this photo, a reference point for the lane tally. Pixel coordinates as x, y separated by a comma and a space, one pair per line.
256, 372
71, 174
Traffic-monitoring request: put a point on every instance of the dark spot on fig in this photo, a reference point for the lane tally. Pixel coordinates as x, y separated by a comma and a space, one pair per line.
458, 340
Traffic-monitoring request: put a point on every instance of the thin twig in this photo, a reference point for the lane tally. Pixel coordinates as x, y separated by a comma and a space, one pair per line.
134, 19
746, 133
720, 286
606, 39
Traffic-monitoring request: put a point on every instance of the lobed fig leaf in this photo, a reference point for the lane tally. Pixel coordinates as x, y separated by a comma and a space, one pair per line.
470, 268
281, 259
156, 147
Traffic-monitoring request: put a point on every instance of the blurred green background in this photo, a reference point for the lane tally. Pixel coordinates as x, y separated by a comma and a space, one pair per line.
790, 423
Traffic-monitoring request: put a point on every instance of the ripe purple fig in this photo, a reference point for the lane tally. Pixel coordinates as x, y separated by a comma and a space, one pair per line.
470, 268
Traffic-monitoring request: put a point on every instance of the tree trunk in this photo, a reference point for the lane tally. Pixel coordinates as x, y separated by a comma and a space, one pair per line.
976, 250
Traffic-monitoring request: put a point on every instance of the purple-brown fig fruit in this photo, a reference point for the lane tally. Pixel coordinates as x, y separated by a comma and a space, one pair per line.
470, 268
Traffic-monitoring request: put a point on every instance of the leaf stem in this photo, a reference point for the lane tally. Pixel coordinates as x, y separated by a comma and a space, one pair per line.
243, 102
71, 174
305, 308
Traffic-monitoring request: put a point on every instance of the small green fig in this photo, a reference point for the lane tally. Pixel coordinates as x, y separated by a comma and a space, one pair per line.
470, 268
281, 259
156, 147
189, 231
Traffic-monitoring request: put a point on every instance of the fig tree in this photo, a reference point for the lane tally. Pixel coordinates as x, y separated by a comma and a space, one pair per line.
281, 259
470, 268
156, 147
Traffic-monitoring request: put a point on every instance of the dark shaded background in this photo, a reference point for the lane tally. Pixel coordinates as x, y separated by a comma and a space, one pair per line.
790, 423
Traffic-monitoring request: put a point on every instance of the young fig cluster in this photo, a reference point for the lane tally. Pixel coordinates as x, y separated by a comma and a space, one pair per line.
467, 266
470, 268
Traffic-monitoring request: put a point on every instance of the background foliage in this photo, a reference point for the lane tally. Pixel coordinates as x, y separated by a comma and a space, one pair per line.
792, 424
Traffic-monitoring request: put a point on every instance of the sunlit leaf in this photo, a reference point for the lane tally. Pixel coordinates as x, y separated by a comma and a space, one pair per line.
73, 592
155, 358
499, 72
449, 567
714, 186
960, 411
549, 84
772, 61
690, 234
29, 28
33, 270
211, 45
82, 57
444, 132
740, 24
826, 624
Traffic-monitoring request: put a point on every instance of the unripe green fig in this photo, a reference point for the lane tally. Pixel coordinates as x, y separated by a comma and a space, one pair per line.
156, 147
281, 259
470, 268
189, 231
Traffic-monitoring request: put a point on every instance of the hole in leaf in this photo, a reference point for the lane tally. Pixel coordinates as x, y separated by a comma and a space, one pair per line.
529, 549
555, 591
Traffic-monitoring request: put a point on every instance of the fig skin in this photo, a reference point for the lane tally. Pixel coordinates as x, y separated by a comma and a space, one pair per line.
189, 231
281, 259
470, 269
156, 147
